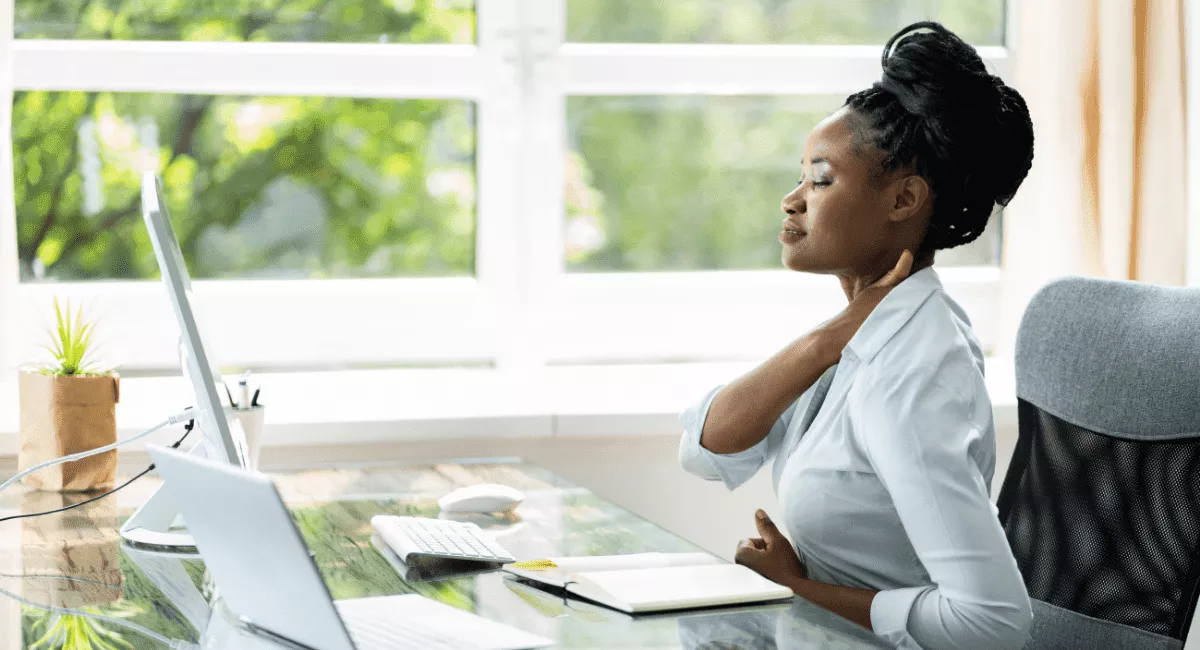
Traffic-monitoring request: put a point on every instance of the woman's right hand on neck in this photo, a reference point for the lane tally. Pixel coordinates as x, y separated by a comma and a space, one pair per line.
744, 411
835, 334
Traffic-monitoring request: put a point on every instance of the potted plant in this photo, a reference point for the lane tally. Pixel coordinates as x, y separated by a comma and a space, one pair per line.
69, 406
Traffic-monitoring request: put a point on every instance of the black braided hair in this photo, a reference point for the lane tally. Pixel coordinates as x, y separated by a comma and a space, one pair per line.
938, 110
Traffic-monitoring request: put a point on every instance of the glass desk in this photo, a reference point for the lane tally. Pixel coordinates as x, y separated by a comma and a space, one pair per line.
68, 576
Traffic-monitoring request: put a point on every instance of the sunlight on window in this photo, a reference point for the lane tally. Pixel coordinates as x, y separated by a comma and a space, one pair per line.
258, 187
252, 124
302, 21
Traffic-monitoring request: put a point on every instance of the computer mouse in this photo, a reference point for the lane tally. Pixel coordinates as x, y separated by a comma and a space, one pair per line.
482, 498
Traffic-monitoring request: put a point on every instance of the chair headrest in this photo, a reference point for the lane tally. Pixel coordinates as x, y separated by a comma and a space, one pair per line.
1114, 356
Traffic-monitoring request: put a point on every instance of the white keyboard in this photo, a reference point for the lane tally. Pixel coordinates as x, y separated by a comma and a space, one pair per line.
452, 540
413, 622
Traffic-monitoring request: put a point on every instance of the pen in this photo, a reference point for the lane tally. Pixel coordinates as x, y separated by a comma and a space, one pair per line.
535, 565
244, 385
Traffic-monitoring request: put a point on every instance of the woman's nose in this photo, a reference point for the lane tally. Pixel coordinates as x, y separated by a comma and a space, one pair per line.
793, 203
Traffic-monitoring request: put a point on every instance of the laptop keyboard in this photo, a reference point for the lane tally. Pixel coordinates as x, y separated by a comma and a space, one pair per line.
413, 622
395, 635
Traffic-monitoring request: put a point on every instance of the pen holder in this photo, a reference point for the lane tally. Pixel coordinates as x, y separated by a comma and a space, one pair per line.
251, 420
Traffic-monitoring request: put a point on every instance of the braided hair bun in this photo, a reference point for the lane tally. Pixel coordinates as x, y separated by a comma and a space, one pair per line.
938, 110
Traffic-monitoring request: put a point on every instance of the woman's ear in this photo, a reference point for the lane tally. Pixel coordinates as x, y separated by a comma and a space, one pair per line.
910, 198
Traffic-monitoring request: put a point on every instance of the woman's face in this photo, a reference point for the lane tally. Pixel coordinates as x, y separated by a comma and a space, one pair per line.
843, 211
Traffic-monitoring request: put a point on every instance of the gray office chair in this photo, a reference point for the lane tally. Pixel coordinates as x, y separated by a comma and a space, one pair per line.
1101, 502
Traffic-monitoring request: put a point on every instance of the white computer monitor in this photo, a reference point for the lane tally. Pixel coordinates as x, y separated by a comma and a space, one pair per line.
221, 439
200, 373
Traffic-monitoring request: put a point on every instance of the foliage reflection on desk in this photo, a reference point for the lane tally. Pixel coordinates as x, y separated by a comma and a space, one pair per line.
333, 508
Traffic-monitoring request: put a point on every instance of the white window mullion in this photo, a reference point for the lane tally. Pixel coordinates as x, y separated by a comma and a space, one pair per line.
500, 254
542, 165
276, 324
671, 69
1012, 26
9, 269
312, 69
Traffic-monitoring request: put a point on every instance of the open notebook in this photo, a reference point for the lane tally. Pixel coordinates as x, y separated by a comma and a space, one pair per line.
654, 582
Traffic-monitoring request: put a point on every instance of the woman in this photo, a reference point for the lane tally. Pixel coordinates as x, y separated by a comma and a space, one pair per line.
878, 421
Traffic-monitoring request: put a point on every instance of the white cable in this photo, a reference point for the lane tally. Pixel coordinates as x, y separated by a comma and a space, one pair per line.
182, 416
180, 644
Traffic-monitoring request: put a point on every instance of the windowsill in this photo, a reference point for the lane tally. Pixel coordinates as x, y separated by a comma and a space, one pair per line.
354, 407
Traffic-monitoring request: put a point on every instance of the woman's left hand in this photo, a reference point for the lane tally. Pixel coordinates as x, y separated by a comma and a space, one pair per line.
771, 555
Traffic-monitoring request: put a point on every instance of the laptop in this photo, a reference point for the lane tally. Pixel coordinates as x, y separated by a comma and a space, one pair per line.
268, 578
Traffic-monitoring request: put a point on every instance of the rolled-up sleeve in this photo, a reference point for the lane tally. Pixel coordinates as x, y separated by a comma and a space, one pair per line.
921, 433
731, 469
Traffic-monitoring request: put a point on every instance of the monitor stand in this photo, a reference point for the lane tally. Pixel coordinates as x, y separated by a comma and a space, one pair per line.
155, 523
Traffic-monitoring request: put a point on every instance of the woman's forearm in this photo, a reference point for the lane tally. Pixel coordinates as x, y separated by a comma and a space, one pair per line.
742, 413
848, 602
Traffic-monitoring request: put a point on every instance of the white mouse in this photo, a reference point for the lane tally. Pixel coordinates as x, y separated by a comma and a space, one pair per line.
483, 498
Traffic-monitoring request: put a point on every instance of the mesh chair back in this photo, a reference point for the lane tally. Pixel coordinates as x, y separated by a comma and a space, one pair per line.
1101, 503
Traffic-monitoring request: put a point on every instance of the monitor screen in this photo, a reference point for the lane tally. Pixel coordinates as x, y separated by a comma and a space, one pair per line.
224, 438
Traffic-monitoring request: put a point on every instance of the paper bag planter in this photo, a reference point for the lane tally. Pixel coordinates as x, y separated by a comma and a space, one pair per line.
68, 414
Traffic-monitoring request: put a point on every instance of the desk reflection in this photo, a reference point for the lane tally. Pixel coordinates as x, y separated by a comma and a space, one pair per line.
69, 574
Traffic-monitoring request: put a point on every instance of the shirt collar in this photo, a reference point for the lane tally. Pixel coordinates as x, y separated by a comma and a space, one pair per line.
896, 308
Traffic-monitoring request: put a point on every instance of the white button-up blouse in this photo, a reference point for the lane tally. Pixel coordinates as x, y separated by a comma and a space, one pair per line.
884, 471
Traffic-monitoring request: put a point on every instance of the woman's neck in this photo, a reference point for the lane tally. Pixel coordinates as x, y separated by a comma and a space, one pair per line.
852, 284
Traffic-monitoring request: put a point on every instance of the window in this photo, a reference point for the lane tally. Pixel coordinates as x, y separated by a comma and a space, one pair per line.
261, 187
692, 182
813, 22
303, 21
377, 182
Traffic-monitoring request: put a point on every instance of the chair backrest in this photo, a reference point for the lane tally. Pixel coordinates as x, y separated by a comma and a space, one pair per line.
1101, 502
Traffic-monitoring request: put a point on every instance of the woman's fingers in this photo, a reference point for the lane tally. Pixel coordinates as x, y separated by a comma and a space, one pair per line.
753, 543
898, 272
749, 551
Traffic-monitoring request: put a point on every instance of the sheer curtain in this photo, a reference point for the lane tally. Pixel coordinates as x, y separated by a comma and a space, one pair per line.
1104, 80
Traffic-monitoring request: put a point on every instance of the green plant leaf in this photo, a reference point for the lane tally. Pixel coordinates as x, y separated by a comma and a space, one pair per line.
58, 316
63, 325
53, 635
71, 340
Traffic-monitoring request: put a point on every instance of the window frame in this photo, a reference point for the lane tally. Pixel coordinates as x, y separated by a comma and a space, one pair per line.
665, 316
522, 309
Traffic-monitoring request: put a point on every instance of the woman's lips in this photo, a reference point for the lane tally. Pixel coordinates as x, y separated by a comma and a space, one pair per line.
792, 233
